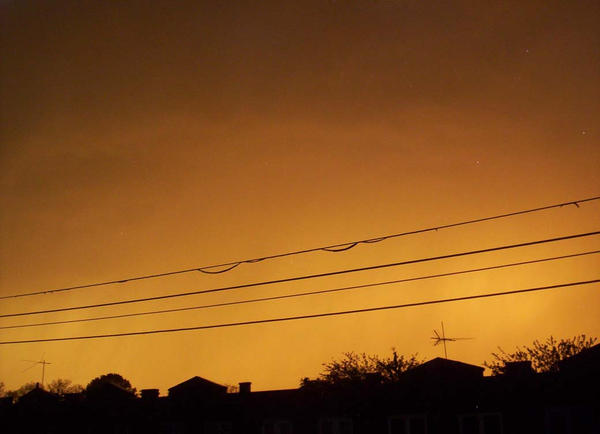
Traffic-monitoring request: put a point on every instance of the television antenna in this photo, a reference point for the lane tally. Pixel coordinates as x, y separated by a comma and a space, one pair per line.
443, 339
42, 362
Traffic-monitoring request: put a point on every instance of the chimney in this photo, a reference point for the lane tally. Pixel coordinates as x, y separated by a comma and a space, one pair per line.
245, 388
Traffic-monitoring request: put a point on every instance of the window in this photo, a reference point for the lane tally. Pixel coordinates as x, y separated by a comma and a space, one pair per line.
397, 425
218, 427
336, 425
469, 424
492, 423
408, 424
557, 421
277, 427
480, 423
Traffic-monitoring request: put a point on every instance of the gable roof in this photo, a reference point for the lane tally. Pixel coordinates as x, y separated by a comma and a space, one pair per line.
440, 368
38, 396
452, 364
197, 385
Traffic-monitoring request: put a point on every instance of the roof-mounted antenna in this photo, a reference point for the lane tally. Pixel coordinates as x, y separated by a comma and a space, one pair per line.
443, 339
42, 362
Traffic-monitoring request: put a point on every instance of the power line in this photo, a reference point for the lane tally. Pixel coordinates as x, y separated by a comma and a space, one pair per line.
302, 294
310, 276
310, 316
210, 269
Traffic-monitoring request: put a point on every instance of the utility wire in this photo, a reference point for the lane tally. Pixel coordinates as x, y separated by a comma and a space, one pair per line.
310, 316
302, 294
228, 266
310, 276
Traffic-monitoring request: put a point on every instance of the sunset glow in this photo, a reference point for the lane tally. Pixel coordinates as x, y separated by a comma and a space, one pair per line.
141, 139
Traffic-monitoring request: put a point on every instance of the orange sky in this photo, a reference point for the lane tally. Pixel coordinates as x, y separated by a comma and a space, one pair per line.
140, 139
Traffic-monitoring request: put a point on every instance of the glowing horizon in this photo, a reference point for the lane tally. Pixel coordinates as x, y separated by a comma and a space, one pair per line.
138, 140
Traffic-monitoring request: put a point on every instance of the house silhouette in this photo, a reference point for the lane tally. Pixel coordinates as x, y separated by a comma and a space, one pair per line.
438, 396
196, 387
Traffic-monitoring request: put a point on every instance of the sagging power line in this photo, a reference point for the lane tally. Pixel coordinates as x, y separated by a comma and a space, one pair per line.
305, 277
302, 294
310, 316
227, 266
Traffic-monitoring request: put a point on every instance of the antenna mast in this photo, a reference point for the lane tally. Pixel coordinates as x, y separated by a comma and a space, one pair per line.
42, 362
443, 339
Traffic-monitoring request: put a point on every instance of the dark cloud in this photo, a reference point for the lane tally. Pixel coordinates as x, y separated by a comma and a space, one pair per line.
101, 60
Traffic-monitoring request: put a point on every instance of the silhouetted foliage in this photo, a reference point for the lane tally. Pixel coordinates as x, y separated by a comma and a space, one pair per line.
544, 356
25, 388
2, 391
98, 384
355, 367
232, 388
60, 386
392, 367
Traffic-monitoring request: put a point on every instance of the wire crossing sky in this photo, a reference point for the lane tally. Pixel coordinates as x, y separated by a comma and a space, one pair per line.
151, 151
297, 278
331, 248
309, 316
301, 294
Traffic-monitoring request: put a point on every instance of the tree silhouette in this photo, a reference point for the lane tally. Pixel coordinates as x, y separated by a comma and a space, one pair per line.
232, 388
24, 389
354, 367
99, 384
392, 367
61, 386
544, 356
